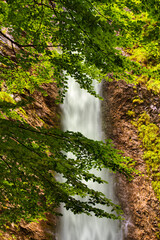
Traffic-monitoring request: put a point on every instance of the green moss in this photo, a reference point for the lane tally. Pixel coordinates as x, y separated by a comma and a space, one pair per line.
22, 112
137, 101
143, 119
154, 84
14, 237
148, 56
6, 97
131, 113
150, 136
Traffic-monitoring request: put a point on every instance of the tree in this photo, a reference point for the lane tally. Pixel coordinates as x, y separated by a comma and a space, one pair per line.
45, 41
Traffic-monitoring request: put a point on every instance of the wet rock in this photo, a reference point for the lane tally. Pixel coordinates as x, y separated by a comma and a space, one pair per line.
137, 198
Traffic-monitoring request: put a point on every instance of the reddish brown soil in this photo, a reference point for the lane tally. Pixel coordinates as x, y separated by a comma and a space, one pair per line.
137, 198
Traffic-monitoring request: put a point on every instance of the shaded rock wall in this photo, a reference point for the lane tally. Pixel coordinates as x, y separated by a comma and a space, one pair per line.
137, 198
42, 112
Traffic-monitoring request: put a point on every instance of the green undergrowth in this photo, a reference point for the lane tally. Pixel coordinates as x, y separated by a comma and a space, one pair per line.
10, 109
148, 56
149, 134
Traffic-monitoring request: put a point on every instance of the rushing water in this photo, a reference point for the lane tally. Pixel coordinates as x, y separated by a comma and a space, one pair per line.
81, 113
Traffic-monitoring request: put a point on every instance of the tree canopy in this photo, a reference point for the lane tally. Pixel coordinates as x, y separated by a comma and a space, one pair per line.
44, 41
90, 36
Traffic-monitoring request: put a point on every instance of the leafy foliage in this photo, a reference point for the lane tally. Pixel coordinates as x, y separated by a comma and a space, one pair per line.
86, 33
29, 159
149, 134
146, 52
44, 41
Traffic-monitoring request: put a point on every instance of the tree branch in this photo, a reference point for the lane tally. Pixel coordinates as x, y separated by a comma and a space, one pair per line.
41, 4
20, 45
52, 4
16, 43
6, 163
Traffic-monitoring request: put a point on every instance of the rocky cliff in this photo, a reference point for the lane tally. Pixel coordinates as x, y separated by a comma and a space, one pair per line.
43, 111
137, 198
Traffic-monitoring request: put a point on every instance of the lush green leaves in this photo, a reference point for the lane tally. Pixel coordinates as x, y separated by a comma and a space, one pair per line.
44, 41
31, 157
85, 33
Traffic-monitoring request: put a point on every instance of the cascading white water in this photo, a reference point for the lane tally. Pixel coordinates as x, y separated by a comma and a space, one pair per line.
81, 113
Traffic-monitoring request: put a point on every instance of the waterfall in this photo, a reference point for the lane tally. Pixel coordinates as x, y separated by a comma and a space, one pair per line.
81, 113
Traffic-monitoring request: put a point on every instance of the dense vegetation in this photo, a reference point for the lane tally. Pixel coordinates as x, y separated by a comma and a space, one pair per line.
44, 41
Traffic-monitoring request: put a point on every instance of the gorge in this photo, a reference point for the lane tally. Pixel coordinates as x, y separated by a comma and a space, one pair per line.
137, 197
116, 43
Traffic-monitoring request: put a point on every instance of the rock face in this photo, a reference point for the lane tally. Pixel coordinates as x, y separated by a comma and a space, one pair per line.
42, 112
42, 230
137, 198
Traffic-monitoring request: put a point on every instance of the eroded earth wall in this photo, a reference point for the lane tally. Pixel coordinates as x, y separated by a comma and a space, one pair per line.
137, 198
